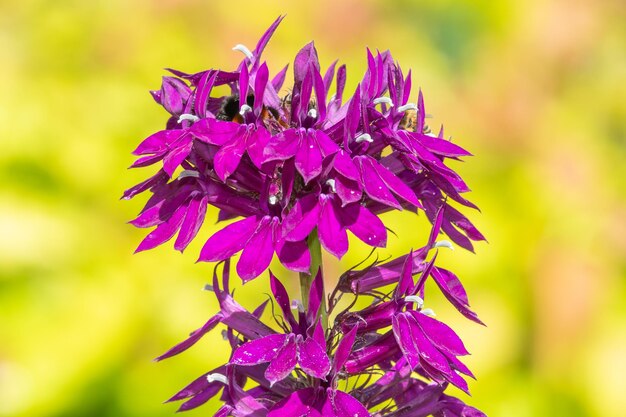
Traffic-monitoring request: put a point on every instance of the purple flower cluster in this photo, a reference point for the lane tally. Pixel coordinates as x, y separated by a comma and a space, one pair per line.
295, 173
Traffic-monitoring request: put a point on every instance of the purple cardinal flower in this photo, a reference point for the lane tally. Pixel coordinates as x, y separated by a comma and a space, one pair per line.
293, 167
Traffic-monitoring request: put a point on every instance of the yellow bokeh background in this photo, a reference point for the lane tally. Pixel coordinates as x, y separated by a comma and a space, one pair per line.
535, 89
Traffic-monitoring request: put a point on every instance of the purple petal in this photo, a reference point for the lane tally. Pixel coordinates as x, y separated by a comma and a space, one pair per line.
344, 349
428, 352
373, 184
341, 82
284, 362
192, 223
215, 132
258, 252
353, 118
174, 93
294, 255
282, 299
228, 241
453, 290
405, 339
344, 165
202, 92
164, 232
363, 224
324, 143
158, 142
265, 38
347, 190
320, 94
260, 83
316, 296
441, 335
279, 79
160, 178
332, 234
193, 338
302, 218
340, 404
298, 404
313, 359
174, 158
227, 159
202, 397
406, 276
396, 185
259, 351
282, 146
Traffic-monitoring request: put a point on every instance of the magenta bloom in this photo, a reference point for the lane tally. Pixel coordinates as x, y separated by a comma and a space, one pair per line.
294, 167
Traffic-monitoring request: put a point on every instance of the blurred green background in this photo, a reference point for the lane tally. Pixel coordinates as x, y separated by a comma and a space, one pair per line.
535, 89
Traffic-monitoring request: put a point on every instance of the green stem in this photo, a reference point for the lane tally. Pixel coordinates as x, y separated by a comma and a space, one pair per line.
307, 278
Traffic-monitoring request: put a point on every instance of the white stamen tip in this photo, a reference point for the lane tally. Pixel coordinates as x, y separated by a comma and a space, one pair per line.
385, 100
187, 116
415, 299
428, 312
408, 106
208, 287
245, 109
189, 173
297, 305
331, 184
365, 137
312, 113
333, 97
244, 50
443, 244
217, 377
273, 200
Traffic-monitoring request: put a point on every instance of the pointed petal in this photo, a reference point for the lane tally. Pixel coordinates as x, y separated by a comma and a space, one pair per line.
282, 299
259, 250
260, 83
396, 185
163, 232
302, 218
347, 190
228, 241
193, 338
259, 351
294, 255
279, 79
332, 234
364, 224
282, 146
284, 362
297, 404
340, 404
313, 359
215, 132
344, 165
192, 223
316, 296
227, 159
324, 143
344, 349
373, 184
441, 335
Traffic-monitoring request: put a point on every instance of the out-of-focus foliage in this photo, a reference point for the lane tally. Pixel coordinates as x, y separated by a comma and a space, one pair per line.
535, 89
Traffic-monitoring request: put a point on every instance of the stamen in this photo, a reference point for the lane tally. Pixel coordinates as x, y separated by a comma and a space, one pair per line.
407, 106
217, 377
443, 244
415, 299
312, 113
244, 50
297, 305
428, 312
365, 137
245, 109
273, 200
187, 116
331, 184
189, 173
208, 287
385, 100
